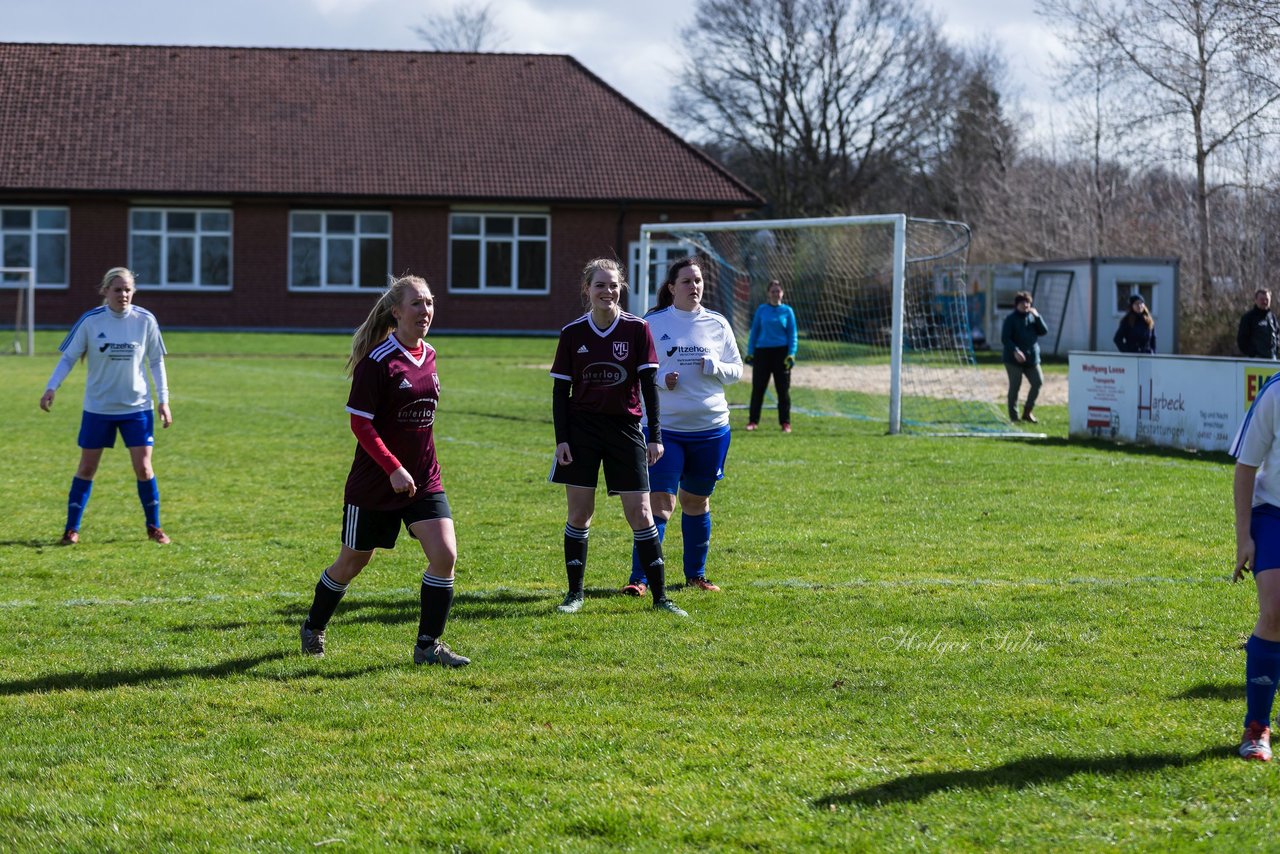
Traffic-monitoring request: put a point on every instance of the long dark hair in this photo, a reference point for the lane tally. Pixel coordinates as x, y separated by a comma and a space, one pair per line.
1131, 316
665, 297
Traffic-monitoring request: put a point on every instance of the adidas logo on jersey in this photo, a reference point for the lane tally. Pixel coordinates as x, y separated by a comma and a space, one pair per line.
102, 335
404, 383
582, 349
665, 337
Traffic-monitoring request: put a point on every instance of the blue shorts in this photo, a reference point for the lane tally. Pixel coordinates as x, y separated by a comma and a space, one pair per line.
1264, 527
690, 461
99, 431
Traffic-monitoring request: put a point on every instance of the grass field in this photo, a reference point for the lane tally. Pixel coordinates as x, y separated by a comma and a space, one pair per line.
922, 643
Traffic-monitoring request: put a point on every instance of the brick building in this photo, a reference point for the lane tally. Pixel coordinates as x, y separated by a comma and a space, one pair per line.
276, 188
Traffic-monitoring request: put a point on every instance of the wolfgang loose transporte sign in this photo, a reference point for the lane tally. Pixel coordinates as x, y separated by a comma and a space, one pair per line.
1175, 401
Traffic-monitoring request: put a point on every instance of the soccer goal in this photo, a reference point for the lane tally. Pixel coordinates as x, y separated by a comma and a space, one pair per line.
881, 307
18, 294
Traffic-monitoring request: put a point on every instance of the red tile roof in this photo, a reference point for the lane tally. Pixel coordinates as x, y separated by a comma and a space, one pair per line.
287, 121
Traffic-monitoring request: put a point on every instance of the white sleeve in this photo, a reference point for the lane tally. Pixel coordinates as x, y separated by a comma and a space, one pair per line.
60, 371
728, 367
1258, 431
160, 378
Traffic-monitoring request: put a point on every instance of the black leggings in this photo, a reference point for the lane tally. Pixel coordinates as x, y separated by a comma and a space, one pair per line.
767, 362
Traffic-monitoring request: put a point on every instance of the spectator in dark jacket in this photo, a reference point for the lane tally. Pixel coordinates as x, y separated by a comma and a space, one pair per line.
1021, 338
1259, 330
1137, 332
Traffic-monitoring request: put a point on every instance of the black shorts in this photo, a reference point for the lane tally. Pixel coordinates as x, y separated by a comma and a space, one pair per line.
615, 442
364, 530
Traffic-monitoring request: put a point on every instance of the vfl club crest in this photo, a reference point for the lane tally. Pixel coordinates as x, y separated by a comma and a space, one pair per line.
621, 349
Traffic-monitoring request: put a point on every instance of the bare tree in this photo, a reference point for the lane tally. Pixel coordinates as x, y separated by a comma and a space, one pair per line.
1199, 75
813, 100
462, 28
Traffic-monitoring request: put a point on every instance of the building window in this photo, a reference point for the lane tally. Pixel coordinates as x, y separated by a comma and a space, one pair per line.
499, 253
180, 247
339, 249
662, 254
1125, 290
37, 238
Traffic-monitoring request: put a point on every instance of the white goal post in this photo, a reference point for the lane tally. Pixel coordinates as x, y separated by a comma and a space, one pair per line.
882, 308
22, 280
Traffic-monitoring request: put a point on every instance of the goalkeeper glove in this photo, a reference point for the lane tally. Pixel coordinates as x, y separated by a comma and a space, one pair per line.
747, 359
790, 362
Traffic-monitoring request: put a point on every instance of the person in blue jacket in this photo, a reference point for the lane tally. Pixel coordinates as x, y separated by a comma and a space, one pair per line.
771, 351
1137, 332
1021, 338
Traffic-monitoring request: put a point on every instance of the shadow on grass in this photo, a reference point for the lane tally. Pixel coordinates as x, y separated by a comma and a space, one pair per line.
399, 610
1133, 449
32, 543
188, 628
1210, 691
104, 680
1017, 775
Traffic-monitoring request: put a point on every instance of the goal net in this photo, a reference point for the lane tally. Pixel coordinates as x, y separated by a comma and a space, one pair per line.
881, 307
17, 306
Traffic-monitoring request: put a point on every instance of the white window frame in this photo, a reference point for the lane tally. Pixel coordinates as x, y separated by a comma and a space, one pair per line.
33, 232
197, 235
515, 239
662, 254
323, 236
1135, 287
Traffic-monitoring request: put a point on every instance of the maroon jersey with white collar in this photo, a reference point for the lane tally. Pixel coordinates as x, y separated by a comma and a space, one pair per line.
399, 394
603, 365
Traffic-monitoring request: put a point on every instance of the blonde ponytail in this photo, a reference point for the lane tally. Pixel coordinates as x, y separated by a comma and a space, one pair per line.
380, 321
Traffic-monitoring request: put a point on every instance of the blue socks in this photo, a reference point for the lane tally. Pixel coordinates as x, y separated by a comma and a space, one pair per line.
637, 574
76, 501
1261, 669
696, 531
149, 495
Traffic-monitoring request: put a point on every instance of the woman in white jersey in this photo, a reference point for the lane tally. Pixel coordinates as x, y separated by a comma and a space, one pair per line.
1256, 494
697, 358
119, 341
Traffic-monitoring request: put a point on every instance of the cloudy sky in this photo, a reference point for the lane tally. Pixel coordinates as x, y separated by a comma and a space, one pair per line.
631, 44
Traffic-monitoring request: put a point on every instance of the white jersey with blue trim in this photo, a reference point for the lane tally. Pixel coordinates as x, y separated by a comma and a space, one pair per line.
118, 348
1255, 443
700, 345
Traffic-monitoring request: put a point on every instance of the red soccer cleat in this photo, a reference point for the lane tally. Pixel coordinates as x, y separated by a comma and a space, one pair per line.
157, 535
635, 588
69, 537
1256, 742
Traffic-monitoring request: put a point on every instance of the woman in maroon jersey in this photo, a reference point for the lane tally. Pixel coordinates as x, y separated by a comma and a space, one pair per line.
604, 363
395, 477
